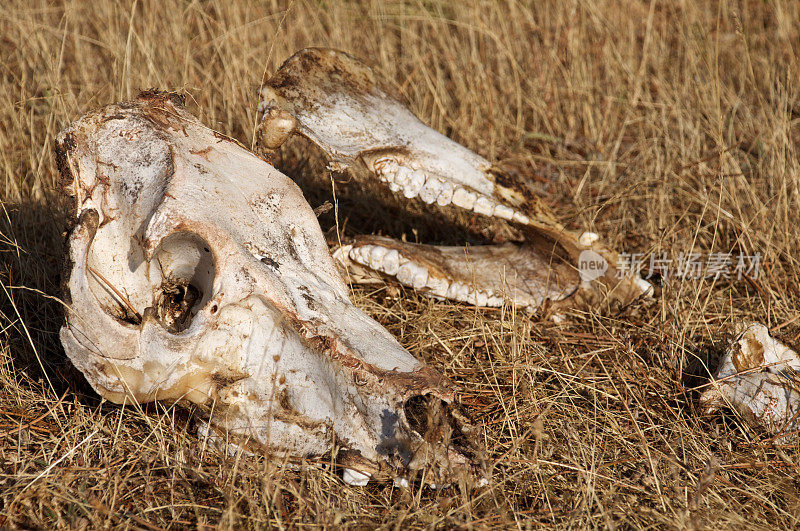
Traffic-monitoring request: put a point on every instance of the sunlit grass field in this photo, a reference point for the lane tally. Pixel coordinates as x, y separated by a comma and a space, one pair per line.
667, 127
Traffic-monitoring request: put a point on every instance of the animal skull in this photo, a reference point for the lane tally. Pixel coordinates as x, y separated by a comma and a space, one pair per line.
199, 274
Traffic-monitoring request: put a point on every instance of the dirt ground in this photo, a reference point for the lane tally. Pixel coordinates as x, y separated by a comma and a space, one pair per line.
668, 127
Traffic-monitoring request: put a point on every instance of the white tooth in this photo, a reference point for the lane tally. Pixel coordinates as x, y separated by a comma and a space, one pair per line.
452, 291
363, 253
394, 187
458, 291
384, 176
391, 262
431, 190
483, 205
342, 254
437, 286
401, 176
446, 195
376, 256
387, 167
494, 302
479, 298
406, 273
414, 185
463, 293
355, 478
420, 278
503, 211
464, 198
521, 218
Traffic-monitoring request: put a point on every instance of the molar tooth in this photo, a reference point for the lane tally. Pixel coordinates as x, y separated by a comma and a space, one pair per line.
494, 301
463, 293
406, 273
414, 184
519, 217
376, 256
391, 262
464, 198
479, 298
503, 211
446, 195
458, 291
402, 176
452, 290
386, 167
384, 175
420, 278
361, 254
438, 286
394, 187
430, 191
342, 254
483, 205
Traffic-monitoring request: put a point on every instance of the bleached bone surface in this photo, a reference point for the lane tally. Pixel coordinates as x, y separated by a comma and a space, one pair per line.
199, 274
341, 105
760, 378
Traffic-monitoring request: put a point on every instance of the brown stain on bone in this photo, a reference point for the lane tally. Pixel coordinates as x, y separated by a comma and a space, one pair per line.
749, 355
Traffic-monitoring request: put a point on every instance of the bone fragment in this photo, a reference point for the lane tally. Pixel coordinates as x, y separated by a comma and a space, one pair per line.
759, 377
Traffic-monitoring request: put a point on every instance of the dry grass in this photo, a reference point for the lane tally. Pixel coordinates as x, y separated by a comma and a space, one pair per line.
665, 126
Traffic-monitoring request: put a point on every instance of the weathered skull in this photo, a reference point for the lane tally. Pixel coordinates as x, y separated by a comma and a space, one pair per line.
199, 274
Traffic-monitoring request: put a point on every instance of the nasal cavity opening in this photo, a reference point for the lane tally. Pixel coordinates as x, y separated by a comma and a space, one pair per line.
187, 279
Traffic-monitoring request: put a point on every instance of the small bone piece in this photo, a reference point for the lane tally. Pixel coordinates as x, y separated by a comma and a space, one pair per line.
759, 377
198, 274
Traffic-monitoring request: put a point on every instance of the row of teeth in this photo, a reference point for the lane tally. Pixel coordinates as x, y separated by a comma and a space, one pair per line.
430, 189
416, 276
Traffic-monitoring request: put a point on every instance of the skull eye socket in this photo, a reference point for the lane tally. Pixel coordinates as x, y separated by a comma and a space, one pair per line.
187, 279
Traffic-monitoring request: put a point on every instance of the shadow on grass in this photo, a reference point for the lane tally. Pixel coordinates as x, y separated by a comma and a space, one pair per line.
32, 243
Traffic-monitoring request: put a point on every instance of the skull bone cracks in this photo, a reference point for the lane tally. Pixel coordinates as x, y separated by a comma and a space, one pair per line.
199, 275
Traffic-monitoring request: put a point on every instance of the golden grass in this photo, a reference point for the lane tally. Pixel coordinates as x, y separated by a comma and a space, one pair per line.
665, 126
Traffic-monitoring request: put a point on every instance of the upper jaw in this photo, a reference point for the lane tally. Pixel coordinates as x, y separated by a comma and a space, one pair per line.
339, 104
